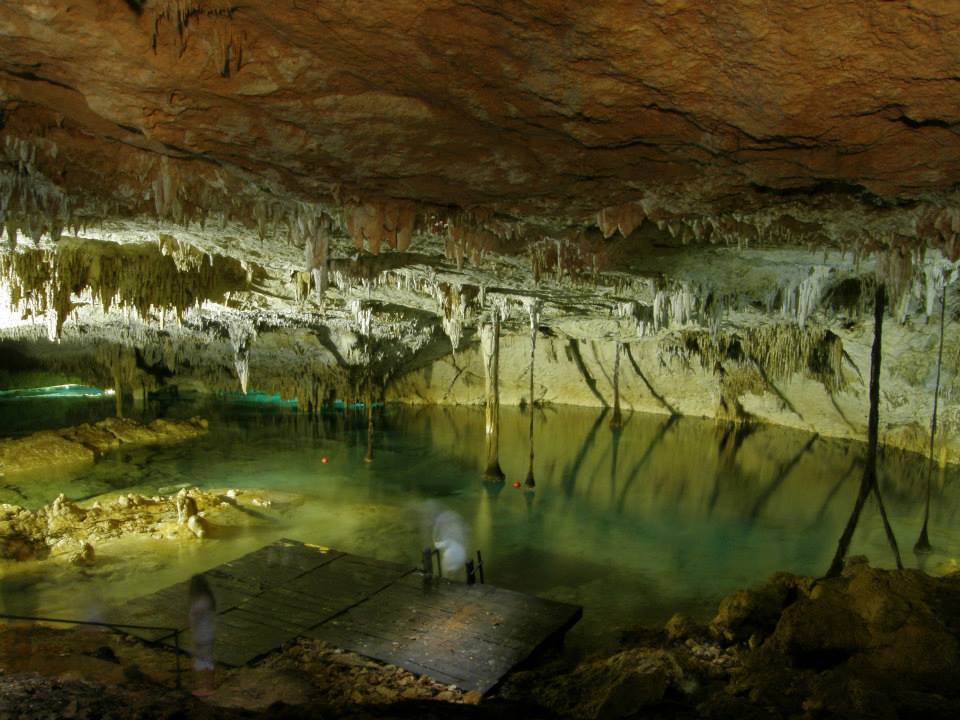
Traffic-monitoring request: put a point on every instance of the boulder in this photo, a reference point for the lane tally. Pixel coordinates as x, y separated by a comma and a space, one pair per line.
614, 687
755, 611
819, 633
681, 627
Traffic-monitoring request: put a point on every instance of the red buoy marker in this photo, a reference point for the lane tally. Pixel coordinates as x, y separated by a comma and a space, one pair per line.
324, 459
516, 483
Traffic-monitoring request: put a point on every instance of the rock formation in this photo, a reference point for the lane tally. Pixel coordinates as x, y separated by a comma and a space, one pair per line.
319, 198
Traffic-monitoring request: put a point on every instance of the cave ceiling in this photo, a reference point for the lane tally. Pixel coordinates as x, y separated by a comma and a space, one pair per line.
433, 153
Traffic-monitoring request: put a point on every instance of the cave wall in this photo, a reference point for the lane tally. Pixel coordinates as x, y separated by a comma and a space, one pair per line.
686, 386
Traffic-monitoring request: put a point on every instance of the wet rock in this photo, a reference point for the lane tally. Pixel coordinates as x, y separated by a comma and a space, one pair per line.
871, 643
613, 687
912, 623
186, 506
85, 555
819, 633
95, 437
20, 546
198, 526
681, 627
81, 444
755, 611
41, 450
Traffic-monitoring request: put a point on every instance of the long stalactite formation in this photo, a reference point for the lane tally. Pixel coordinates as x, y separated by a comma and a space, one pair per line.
869, 480
490, 344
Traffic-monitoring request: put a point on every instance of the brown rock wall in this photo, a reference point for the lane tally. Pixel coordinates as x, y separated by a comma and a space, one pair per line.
553, 105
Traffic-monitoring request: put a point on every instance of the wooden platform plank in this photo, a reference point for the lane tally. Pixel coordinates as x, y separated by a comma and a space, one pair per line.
462, 631
468, 636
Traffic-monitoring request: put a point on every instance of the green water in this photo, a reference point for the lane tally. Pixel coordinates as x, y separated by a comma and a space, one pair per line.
663, 516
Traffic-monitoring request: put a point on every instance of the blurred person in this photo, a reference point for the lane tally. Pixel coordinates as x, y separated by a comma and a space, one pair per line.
203, 611
450, 537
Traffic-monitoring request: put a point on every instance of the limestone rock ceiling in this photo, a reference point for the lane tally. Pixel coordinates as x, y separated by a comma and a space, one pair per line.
542, 144
540, 111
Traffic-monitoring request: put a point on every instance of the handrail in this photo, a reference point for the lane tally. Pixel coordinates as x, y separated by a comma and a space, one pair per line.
176, 631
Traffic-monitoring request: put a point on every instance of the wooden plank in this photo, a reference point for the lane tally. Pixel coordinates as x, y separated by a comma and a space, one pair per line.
462, 631
468, 636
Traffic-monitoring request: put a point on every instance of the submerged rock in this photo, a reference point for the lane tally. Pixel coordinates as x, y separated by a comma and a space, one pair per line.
85, 555
41, 450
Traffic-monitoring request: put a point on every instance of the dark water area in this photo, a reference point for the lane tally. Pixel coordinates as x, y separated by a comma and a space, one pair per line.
664, 515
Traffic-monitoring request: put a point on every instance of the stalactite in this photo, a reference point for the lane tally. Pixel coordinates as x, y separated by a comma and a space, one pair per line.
869, 482
802, 299
624, 218
137, 276
781, 350
616, 419
454, 301
533, 310
370, 223
242, 335
315, 249
362, 316
490, 349
923, 542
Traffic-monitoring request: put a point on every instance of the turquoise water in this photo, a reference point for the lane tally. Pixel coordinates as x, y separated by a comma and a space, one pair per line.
662, 516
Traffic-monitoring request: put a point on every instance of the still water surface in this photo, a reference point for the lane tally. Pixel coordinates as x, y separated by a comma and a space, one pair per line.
662, 516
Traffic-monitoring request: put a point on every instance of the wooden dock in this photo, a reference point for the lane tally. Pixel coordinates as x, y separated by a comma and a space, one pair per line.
470, 636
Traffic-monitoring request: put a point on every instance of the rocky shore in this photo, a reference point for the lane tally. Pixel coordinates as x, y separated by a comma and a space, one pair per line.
871, 643
84, 443
75, 531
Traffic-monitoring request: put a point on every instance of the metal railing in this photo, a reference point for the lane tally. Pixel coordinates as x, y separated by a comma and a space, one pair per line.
473, 569
113, 626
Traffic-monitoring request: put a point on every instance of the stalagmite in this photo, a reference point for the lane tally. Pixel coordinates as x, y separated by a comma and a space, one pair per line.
490, 348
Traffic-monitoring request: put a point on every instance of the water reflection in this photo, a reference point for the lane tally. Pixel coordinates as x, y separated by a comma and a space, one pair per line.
666, 514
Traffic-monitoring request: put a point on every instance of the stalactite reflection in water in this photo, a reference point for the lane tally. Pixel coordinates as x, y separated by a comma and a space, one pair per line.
369, 456
645, 458
869, 481
780, 477
833, 493
573, 471
732, 440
